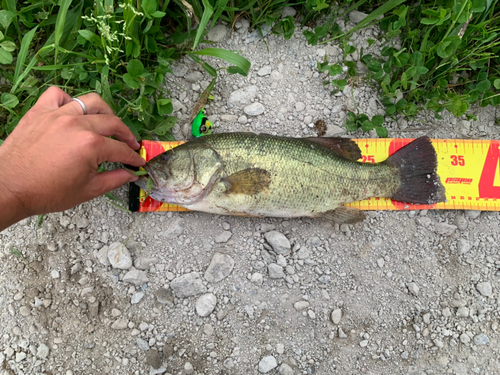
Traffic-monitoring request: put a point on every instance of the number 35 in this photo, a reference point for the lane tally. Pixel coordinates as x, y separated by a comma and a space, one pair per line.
457, 160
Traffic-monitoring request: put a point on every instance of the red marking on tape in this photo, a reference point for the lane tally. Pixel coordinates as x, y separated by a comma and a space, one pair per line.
152, 149
486, 188
458, 180
396, 144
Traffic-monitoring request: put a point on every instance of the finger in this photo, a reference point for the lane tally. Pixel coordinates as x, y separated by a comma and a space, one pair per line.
107, 126
108, 181
118, 152
93, 103
52, 98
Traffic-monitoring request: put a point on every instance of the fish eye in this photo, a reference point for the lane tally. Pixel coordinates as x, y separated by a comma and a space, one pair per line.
164, 157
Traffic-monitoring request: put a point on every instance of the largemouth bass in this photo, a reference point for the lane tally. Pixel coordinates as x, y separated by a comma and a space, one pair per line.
262, 175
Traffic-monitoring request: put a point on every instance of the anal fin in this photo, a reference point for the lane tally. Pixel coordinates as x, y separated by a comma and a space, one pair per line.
344, 215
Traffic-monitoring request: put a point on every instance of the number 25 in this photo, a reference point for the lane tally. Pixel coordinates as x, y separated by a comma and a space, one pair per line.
457, 160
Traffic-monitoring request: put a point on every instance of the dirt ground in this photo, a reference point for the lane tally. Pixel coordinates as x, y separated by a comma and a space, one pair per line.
410, 292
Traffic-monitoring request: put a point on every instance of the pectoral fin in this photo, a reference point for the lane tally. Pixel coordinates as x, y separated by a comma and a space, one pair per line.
344, 147
345, 215
248, 181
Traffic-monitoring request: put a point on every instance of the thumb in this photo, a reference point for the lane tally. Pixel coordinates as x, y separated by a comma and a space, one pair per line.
108, 181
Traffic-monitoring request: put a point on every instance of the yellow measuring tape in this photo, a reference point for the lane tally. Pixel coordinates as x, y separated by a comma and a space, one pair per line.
469, 170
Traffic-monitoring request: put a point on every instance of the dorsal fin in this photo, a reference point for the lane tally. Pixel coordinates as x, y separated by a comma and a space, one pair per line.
344, 147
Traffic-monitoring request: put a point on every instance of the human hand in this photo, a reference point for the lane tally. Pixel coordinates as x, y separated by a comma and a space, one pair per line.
49, 162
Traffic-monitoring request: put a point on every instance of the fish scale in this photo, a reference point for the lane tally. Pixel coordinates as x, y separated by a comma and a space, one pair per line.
305, 177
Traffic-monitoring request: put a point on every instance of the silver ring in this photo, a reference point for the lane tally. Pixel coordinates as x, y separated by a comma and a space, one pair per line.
81, 103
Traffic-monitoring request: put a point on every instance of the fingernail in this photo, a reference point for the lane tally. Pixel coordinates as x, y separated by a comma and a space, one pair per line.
133, 179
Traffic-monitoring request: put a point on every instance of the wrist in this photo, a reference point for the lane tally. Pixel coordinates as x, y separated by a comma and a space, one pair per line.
12, 208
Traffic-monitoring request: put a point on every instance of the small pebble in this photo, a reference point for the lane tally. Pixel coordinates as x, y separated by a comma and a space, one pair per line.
481, 339
119, 256
254, 109
336, 316
485, 289
136, 297
301, 305
267, 363
206, 304
153, 358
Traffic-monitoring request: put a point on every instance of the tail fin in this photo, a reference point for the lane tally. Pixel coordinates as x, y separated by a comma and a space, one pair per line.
417, 166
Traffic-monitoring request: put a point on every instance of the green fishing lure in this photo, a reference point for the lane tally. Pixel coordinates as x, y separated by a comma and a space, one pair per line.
200, 125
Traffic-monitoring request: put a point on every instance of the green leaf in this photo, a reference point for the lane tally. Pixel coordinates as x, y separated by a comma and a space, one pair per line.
158, 14
23, 53
39, 221
374, 66
151, 45
207, 13
6, 18
8, 46
61, 20
442, 83
429, 21
340, 83
90, 36
421, 69
149, 6
411, 109
390, 110
372, 17
130, 81
382, 132
164, 126
234, 70
362, 117
322, 66
378, 120
404, 80
349, 49
367, 126
9, 100
483, 86
135, 68
5, 57
312, 38
136, 173
66, 73
448, 46
401, 103
228, 56
496, 83
335, 69
165, 106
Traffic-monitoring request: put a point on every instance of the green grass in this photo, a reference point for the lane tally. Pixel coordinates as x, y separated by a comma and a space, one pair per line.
448, 60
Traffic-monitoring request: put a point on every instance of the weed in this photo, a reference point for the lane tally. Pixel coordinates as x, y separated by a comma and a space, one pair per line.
117, 49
